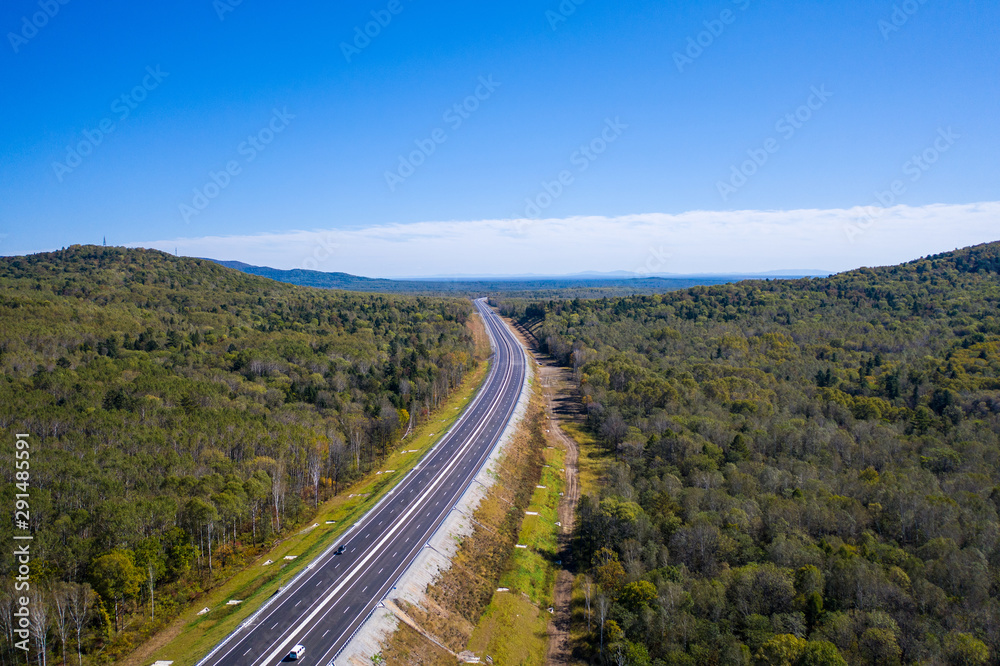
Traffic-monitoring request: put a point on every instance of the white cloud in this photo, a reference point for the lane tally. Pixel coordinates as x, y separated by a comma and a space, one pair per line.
692, 242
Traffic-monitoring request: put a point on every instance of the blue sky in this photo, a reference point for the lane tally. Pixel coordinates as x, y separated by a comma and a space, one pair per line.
672, 136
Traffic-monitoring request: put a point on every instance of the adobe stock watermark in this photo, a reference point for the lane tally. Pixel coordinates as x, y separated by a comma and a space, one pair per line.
901, 14
121, 108
325, 248
912, 170
248, 150
714, 28
786, 126
656, 261
562, 13
30, 25
454, 116
223, 7
22, 620
363, 35
581, 159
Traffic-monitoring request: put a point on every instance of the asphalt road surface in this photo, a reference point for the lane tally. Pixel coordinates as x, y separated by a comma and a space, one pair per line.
325, 606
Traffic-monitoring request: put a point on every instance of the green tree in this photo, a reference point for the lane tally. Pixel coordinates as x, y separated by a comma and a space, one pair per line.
116, 579
879, 646
821, 653
638, 595
179, 552
922, 420
782, 650
965, 649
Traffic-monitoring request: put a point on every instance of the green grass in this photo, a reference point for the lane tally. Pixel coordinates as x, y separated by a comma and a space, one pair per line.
593, 459
512, 631
532, 570
194, 635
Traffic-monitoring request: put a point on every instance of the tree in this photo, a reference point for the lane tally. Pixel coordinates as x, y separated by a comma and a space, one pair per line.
116, 579
278, 487
315, 469
638, 595
782, 650
613, 430
38, 625
922, 420
179, 552
966, 650
602, 614
608, 571
60, 597
200, 516
257, 489
821, 653
878, 646
151, 562
80, 605
337, 460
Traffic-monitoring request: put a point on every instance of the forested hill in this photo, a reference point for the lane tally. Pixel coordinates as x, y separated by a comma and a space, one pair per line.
181, 412
803, 472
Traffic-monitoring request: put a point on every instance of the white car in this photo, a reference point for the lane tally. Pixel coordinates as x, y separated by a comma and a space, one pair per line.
297, 652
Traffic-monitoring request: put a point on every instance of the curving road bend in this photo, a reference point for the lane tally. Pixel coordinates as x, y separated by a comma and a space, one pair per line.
326, 604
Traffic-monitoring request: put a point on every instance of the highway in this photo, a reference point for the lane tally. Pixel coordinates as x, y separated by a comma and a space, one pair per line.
325, 605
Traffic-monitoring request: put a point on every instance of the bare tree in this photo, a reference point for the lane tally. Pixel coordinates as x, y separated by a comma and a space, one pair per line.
632, 550
60, 596
587, 590
278, 491
602, 611
38, 625
152, 584
336, 460
315, 462
357, 433
81, 607
7, 620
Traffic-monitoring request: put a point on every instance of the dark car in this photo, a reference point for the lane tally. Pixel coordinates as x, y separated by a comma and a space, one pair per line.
340, 551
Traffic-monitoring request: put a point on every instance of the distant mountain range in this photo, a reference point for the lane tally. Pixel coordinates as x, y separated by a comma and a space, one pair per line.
629, 275
579, 284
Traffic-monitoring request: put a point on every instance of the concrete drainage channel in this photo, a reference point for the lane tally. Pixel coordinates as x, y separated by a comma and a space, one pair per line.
434, 558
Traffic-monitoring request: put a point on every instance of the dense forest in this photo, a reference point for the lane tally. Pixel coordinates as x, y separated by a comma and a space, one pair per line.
182, 415
800, 472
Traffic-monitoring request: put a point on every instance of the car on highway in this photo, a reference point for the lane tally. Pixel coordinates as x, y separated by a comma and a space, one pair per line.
296, 652
340, 551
